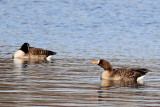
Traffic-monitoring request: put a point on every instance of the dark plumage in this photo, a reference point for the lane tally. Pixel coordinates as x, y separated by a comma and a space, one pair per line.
40, 51
30, 52
120, 73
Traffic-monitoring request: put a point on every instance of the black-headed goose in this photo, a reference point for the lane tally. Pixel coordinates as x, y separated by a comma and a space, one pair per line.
135, 74
30, 52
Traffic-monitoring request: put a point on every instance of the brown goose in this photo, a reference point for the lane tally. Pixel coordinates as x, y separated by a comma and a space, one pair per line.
30, 52
135, 74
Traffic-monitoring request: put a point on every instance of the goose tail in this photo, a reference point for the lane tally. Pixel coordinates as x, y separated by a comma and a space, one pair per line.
52, 53
143, 70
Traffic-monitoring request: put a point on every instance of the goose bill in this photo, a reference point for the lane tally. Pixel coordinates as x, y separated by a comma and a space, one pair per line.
95, 62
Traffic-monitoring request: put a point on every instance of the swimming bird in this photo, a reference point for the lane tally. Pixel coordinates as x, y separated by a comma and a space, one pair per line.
30, 52
135, 74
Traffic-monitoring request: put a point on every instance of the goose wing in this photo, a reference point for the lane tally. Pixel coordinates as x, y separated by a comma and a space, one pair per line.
129, 72
40, 51
138, 72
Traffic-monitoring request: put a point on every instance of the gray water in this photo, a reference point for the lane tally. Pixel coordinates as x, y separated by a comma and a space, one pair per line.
126, 33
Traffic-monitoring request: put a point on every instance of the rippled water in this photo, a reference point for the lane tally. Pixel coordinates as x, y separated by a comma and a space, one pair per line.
126, 33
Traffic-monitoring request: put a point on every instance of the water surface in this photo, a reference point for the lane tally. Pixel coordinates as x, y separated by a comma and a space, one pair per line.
125, 33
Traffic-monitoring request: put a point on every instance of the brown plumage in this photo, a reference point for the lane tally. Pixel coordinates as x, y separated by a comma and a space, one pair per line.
30, 52
39, 51
120, 73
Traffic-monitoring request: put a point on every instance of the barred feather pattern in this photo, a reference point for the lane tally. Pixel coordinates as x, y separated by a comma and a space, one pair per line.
40, 51
120, 73
129, 73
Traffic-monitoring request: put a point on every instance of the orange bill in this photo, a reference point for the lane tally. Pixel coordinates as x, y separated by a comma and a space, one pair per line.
95, 62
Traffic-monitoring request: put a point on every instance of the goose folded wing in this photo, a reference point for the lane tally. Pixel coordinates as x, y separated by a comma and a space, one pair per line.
40, 51
140, 72
123, 72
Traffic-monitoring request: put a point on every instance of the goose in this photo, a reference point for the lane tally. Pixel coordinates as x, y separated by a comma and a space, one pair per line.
135, 74
30, 52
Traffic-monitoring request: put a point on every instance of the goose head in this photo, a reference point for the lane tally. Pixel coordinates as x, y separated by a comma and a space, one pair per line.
25, 47
104, 64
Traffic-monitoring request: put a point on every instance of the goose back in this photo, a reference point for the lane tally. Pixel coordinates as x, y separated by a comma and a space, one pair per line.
40, 51
130, 73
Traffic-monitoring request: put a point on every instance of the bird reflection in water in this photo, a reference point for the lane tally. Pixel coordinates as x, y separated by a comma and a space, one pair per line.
120, 83
21, 64
113, 89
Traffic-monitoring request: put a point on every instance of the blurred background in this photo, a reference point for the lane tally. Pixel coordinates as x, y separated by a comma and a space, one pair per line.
126, 33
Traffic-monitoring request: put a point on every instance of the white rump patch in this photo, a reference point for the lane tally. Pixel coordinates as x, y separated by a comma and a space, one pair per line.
19, 54
49, 58
140, 80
